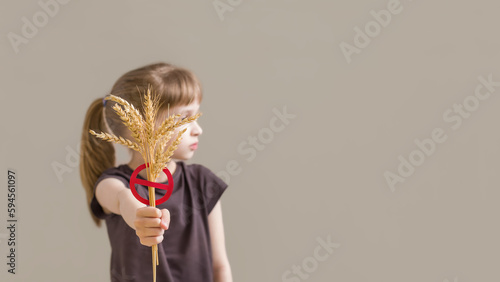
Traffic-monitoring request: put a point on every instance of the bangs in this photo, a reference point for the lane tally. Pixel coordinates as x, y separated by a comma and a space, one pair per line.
180, 88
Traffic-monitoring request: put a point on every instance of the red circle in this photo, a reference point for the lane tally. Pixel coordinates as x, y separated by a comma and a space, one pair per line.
169, 187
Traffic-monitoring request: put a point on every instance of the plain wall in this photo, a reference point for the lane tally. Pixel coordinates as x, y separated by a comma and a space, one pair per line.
319, 177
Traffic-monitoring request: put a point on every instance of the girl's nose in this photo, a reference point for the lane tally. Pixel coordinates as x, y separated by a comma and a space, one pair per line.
196, 128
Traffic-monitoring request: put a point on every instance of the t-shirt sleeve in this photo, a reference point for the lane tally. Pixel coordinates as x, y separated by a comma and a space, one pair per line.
94, 204
212, 186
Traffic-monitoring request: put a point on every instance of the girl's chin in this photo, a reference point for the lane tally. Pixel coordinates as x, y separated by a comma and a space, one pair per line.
184, 157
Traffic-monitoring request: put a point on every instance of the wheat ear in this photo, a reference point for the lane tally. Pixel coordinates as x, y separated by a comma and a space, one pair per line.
165, 125
161, 144
129, 122
135, 114
169, 125
165, 158
119, 140
186, 121
150, 110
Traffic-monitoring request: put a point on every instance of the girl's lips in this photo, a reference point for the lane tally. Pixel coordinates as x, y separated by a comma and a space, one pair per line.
194, 146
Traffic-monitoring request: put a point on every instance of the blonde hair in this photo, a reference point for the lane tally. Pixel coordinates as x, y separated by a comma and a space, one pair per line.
174, 86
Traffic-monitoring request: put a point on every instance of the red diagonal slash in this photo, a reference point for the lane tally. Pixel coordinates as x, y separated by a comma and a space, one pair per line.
151, 184
134, 180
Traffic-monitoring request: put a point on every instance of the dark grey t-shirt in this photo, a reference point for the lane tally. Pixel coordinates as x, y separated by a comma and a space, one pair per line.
185, 255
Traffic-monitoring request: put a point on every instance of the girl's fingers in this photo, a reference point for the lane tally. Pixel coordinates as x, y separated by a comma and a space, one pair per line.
147, 222
149, 232
165, 218
151, 224
148, 212
150, 241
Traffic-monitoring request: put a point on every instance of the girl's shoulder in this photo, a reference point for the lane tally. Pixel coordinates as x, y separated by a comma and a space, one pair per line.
203, 177
122, 169
197, 170
204, 181
121, 172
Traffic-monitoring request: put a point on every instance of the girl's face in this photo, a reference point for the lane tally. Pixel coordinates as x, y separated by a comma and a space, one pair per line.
189, 143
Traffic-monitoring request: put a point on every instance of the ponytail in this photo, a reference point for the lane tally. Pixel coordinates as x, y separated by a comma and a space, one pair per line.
95, 155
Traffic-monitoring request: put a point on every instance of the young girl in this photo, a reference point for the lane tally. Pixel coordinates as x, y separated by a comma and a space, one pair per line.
188, 227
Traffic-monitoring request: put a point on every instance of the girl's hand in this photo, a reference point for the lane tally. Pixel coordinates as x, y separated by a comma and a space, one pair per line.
150, 224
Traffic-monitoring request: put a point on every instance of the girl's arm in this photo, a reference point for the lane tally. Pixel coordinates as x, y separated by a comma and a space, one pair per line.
148, 222
222, 269
115, 198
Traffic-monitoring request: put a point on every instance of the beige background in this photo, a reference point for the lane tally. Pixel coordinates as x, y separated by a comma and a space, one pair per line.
323, 175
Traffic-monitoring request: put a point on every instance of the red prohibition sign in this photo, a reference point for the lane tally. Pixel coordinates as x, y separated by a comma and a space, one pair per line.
134, 180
